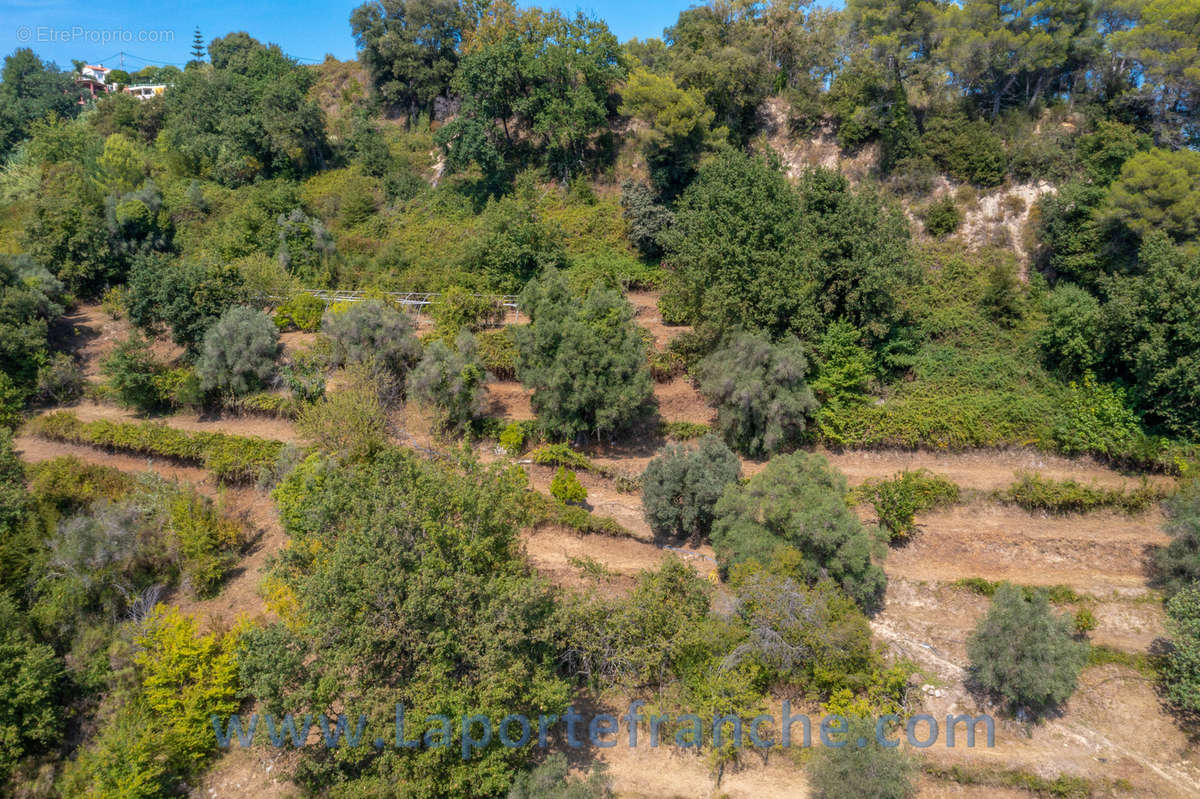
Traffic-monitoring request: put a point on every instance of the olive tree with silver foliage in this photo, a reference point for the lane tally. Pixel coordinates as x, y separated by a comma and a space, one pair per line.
681, 486
371, 332
451, 381
1025, 655
239, 352
763, 402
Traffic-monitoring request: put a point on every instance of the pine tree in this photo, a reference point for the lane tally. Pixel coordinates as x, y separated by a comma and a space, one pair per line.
198, 48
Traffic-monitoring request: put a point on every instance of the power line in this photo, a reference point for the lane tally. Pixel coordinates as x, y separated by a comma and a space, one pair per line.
123, 54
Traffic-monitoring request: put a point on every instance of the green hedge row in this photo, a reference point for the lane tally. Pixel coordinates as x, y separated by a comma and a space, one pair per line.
229, 458
1035, 493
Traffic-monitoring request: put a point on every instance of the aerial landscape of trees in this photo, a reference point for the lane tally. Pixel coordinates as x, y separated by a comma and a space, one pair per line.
378, 350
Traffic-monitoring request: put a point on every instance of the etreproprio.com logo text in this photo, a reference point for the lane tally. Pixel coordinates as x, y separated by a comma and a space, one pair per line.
473, 733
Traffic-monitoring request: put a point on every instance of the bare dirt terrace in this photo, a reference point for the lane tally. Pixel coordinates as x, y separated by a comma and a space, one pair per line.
1114, 728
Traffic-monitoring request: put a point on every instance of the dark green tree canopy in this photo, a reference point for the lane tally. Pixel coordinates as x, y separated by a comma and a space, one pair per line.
799, 501
30, 89
410, 48
681, 486
379, 630
537, 90
247, 117
734, 251
747, 249
585, 361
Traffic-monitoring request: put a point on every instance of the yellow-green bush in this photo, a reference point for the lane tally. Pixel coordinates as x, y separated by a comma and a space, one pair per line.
302, 311
70, 484
230, 458
161, 733
565, 487
206, 540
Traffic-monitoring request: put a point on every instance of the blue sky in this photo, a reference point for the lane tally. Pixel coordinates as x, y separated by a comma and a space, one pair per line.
60, 30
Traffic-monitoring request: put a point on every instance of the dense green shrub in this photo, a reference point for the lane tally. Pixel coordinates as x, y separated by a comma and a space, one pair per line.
942, 217
666, 366
560, 455
1181, 669
968, 151
132, 371
1151, 340
732, 248
28, 303
239, 352
516, 243
372, 332
376, 534
31, 677
646, 217
810, 636
161, 732
1025, 655
799, 500
681, 486
1070, 235
763, 403
114, 300
640, 639
302, 311
586, 362
179, 387
67, 233
683, 431
206, 541
897, 501
1179, 562
265, 403
1036, 493
749, 250
12, 402
1004, 297
71, 485
60, 380
565, 487
498, 353
845, 370
849, 770
187, 297
350, 423
1071, 340
1096, 420
304, 374
451, 381
516, 436
456, 309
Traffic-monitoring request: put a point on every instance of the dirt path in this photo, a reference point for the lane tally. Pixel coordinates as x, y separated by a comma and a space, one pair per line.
985, 470
1095, 553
